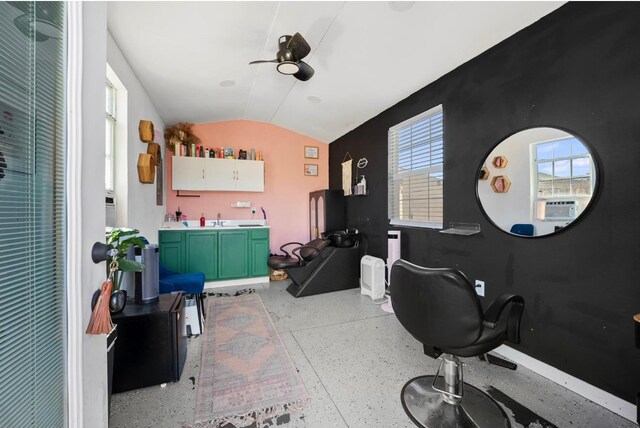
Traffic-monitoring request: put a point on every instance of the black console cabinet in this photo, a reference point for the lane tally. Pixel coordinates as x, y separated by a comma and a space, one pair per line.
152, 344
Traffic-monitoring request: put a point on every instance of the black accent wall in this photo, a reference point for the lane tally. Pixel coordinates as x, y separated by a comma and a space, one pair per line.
576, 69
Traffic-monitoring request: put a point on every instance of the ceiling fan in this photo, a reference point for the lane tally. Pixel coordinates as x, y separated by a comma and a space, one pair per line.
289, 57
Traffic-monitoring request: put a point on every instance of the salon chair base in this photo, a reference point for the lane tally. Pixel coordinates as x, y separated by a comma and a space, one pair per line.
427, 408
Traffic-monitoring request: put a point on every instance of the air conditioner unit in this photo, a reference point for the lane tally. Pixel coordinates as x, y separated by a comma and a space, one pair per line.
372, 277
559, 210
110, 206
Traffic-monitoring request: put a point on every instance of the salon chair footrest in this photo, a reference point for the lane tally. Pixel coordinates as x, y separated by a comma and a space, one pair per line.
498, 361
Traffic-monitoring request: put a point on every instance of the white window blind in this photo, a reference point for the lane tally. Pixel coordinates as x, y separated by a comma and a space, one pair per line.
32, 217
415, 170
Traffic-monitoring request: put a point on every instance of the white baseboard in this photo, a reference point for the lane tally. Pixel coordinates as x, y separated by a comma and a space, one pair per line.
212, 285
590, 392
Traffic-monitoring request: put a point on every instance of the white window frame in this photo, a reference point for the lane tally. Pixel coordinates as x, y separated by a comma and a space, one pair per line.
553, 160
110, 144
394, 175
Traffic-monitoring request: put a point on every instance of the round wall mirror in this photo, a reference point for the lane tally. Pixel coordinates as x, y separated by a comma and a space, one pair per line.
547, 183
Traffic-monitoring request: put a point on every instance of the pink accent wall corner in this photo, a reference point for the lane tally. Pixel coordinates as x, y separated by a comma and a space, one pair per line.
286, 188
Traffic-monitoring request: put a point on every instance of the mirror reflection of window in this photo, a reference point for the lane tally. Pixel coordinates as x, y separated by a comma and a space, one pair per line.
553, 178
563, 169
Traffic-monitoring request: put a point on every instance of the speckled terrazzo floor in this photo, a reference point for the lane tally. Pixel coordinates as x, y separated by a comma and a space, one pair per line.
354, 359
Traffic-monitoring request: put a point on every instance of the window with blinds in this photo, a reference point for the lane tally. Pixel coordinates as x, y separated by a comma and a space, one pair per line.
415, 172
32, 215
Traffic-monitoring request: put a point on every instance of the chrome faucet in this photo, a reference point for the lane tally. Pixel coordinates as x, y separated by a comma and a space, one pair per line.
219, 221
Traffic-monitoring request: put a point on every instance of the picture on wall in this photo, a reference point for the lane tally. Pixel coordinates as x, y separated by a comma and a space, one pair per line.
310, 169
311, 152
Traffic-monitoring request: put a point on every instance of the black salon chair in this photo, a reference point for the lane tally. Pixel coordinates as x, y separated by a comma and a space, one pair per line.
441, 309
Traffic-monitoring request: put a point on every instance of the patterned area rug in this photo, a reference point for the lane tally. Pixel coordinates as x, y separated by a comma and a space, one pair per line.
246, 375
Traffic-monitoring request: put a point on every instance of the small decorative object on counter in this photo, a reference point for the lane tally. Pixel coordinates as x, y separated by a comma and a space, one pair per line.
178, 214
193, 150
242, 154
202, 220
201, 152
253, 154
212, 153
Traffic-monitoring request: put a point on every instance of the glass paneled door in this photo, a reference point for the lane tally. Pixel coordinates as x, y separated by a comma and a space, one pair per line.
32, 215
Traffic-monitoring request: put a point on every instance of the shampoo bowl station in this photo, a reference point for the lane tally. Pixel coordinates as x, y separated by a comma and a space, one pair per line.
322, 265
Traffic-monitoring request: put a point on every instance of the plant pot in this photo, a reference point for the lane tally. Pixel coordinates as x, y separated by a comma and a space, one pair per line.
118, 301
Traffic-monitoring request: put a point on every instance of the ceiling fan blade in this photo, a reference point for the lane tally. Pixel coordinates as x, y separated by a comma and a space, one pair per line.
298, 46
261, 61
305, 73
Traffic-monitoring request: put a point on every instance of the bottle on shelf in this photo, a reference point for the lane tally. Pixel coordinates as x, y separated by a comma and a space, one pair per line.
363, 183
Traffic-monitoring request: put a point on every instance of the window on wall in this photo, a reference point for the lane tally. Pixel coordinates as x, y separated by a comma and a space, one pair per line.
563, 168
109, 167
415, 170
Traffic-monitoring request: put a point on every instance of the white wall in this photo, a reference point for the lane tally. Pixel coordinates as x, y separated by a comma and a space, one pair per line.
142, 212
94, 358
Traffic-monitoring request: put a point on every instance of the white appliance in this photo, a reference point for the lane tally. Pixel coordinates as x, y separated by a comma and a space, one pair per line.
110, 206
372, 277
559, 210
393, 254
192, 320
393, 249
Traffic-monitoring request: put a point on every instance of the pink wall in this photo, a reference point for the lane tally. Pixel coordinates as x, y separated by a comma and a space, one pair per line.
286, 188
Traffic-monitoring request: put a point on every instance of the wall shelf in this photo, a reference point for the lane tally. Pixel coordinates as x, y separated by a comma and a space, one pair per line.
462, 229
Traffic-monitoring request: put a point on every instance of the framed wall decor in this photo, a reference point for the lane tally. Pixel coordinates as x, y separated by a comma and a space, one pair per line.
499, 161
310, 169
500, 184
311, 152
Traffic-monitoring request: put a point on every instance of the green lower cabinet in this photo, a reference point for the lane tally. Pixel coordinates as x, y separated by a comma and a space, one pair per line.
234, 254
201, 253
172, 250
220, 254
259, 256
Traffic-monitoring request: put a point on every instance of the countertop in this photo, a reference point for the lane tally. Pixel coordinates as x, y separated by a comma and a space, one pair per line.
194, 225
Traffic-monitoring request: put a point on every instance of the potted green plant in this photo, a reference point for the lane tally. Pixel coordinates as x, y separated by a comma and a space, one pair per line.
119, 239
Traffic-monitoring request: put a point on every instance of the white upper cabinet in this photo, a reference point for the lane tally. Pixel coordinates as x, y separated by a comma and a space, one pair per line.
220, 174
187, 173
217, 174
249, 176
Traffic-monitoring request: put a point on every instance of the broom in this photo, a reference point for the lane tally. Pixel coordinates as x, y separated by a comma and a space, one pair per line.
100, 322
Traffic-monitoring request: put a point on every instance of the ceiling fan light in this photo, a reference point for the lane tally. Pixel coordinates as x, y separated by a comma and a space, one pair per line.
288, 67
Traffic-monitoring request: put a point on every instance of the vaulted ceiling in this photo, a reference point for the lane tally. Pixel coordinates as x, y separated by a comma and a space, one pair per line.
193, 57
